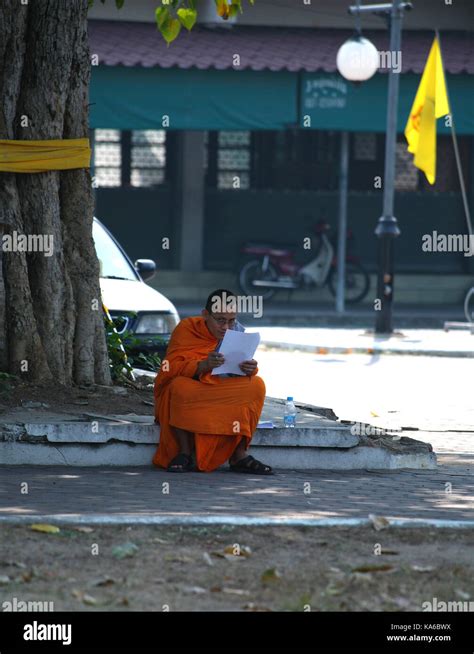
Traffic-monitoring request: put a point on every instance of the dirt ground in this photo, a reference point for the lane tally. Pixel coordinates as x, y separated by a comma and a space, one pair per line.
156, 568
93, 399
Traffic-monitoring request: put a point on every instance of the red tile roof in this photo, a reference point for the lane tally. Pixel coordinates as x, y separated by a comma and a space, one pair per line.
262, 48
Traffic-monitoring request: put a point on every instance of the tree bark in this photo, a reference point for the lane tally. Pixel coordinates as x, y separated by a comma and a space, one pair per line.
54, 328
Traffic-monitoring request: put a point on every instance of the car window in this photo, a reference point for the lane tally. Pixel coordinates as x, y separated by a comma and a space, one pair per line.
112, 262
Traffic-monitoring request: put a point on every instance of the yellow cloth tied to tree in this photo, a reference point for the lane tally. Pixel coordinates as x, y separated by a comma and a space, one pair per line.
41, 156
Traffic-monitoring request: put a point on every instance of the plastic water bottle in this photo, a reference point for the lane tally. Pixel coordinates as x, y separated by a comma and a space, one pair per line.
290, 413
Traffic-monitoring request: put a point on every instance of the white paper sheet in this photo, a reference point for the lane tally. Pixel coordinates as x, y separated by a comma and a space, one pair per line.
236, 348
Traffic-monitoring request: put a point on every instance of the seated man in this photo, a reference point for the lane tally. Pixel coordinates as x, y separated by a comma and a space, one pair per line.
213, 416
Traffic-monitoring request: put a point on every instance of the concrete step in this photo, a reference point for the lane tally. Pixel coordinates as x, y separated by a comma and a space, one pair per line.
327, 445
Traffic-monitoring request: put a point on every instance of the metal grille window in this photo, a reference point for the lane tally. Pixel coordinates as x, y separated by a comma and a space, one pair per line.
365, 146
107, 157
148, 157
233, 160
406, 175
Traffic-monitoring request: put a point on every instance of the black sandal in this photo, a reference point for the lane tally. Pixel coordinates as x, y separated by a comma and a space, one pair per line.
251, 466
184, 461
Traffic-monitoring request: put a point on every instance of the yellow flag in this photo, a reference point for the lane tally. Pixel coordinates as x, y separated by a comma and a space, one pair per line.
40, 156
431, 102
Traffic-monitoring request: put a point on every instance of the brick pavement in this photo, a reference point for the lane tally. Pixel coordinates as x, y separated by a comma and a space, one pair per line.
140, 493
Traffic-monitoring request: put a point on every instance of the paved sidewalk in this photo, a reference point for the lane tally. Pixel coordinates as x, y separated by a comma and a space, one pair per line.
142, 495
427, 342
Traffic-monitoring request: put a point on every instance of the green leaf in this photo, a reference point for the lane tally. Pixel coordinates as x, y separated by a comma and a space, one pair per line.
170, 29
161, 14
119, 3
187, 17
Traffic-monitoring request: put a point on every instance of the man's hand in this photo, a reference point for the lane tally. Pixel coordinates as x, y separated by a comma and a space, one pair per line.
214, 360
248, 367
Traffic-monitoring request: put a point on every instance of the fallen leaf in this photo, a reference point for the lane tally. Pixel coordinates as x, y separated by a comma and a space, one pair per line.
89, 600
194, 589
235, 591
251, 606
160, 540
125, 550
105, 581
123, 601
379, 522
374, 414
335, 588
45, 529
26, 576
207, 559
362, 577
462, 594
270, 575
422, 568
383, 567
84, 530
237, 550
15, 564
177, 558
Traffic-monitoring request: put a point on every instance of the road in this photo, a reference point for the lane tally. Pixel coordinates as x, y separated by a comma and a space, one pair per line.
429, 393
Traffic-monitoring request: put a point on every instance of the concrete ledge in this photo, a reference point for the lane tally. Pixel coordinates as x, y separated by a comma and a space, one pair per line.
327, 434
284, 457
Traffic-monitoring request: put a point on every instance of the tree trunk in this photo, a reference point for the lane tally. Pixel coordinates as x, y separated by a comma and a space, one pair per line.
53, 321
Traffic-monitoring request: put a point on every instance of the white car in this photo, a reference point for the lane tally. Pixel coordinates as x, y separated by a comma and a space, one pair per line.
147, 315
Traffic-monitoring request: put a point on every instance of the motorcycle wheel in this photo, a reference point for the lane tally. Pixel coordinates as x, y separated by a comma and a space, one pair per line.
357, 282
469, 306
253, 270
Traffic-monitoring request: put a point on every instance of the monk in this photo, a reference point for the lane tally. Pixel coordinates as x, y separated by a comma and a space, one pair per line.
210, 418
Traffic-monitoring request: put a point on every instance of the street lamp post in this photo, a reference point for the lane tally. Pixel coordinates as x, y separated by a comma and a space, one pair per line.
387, 228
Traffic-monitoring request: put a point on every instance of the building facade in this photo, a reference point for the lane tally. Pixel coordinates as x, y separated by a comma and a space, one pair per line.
232, 134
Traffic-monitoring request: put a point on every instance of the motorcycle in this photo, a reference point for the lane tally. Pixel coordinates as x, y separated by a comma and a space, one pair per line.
272, 268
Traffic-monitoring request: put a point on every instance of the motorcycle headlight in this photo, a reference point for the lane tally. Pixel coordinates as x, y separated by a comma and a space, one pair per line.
156, 323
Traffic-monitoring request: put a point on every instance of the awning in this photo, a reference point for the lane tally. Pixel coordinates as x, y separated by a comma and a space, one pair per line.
332, 103
143, 98
285, 75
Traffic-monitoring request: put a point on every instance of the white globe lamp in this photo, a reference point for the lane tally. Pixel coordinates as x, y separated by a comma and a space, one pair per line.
357, 59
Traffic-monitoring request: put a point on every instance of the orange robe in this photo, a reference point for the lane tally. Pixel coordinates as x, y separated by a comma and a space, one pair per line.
218, 410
